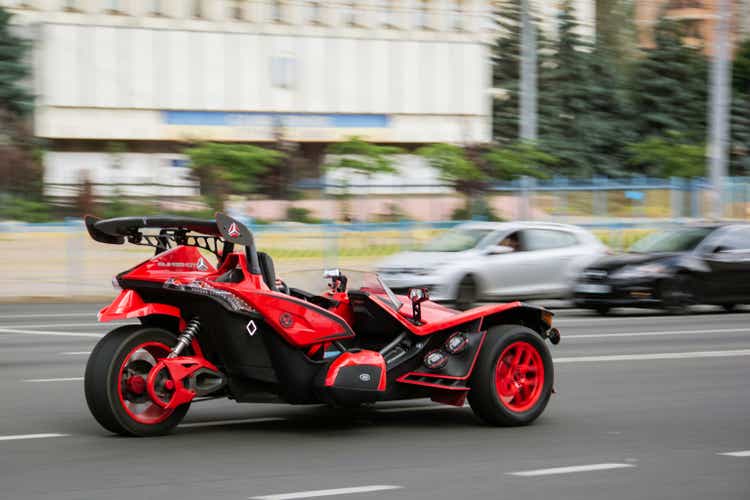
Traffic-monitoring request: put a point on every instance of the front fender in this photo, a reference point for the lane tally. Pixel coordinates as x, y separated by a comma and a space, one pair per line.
537, 318
130, 305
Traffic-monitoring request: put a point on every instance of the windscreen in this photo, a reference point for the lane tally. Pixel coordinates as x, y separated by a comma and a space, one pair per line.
456, 240
313, 281
679, 240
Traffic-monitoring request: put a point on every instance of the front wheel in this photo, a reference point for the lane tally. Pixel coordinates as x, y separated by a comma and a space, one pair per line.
115, 382
512, 382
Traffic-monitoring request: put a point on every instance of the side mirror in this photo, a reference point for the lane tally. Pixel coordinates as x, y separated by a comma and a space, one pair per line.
338, 280
417, 296
499, 250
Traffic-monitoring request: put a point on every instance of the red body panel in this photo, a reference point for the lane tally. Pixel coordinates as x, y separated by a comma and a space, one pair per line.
436, 317
370, 358
186, 261
301, 323
130, 305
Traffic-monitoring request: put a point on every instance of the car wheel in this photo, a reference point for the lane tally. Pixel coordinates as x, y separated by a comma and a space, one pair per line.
729, 307
466, 295
115, 382
676, 294
512, 382
602, 310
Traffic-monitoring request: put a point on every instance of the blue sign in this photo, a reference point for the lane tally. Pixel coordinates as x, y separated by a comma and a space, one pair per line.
635, 195
287, 120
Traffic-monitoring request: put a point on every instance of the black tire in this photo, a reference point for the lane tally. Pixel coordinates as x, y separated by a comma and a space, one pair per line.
101, 381
484, 397
602, 310
466, 294
729, 307
677, 294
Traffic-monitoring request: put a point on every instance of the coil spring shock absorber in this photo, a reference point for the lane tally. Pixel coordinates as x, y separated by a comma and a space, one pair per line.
186, 337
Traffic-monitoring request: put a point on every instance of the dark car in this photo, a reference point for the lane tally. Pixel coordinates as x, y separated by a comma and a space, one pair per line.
672, 270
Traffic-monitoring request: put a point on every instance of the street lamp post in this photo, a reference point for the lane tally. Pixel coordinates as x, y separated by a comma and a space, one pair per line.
719, 107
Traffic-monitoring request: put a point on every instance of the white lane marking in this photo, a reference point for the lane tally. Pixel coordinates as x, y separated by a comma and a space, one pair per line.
49, 315
33, 436
651, 334
327, 493
652, 356
49, 332
76, 353
24, 326
745, 453
217, 423
63, 379
570, 470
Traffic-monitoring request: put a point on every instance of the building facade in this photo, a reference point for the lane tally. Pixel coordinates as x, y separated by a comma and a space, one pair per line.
150, 75
697, 17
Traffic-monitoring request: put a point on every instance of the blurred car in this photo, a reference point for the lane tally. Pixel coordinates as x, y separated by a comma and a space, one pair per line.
708, 264
488, 260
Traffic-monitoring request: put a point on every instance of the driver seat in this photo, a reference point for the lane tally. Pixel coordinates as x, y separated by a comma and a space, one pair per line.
267, 270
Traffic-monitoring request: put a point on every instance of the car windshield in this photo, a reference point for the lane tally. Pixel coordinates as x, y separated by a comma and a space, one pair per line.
314, 281
455, 240
679, 240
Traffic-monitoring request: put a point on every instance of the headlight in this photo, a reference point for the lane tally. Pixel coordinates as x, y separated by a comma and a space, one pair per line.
643, 271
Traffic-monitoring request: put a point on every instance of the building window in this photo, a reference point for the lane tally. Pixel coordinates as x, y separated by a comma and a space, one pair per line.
458, 13
197, 9
314, 14
113, 6
238, 10
283, 69
423, 15
277, 12
349, 13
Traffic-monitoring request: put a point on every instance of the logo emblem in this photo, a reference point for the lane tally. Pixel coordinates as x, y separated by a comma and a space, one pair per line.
364, 377
233, 230
251, 327
286, 320
201, 265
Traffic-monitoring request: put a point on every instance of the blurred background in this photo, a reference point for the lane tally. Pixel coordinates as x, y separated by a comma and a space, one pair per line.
345, 132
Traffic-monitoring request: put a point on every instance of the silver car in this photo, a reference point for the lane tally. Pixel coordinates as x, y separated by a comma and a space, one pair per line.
487, 260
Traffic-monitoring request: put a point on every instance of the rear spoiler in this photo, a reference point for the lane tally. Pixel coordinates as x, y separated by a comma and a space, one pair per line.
199, 233
217, 236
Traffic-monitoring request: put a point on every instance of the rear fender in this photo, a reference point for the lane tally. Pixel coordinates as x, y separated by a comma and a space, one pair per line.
537, 318
130, 305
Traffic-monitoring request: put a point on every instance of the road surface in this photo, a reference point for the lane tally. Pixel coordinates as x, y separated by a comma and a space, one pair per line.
646, 407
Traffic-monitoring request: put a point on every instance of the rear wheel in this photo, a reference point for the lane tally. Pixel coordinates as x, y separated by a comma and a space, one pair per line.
115, 382
512, 381
729, 307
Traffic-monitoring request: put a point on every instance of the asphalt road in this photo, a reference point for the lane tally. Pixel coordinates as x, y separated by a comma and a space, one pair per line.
646, 408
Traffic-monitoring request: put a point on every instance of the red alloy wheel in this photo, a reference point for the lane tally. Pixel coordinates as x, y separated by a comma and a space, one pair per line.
131, 388
519, 376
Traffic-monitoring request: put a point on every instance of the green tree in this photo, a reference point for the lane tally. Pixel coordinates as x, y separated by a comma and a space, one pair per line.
14, 69
740, 125
470, 170
518, 160
579, 109
362, 157
506, 63
669, 156
670, 86
740, 134
741, 68
224, 169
